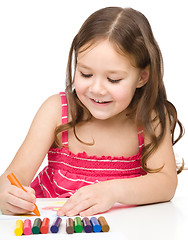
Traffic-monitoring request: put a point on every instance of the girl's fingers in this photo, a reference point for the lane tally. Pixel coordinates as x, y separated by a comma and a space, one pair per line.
88, 200
70, 204
90, 211
73, 208
16, 201
19, 193
7, 212
20, 203
83, 205
15, 210
66, 207
30, 190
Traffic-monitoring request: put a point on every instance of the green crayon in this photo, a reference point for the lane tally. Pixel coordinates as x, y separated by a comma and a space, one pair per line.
36, 226
78, 225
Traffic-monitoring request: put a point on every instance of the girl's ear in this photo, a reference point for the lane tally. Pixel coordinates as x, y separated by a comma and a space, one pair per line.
144, 76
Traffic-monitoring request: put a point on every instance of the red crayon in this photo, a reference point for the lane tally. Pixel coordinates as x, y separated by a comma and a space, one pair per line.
45, 226
14, 181
27, 227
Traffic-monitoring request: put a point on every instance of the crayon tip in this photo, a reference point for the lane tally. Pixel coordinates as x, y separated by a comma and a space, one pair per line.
36, 211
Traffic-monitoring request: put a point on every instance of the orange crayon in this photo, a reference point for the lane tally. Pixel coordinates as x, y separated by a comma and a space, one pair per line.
14, 181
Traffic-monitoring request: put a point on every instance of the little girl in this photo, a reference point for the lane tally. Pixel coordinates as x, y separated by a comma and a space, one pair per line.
109, 136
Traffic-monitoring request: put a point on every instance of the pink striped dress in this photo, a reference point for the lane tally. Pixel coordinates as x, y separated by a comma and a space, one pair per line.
67, 172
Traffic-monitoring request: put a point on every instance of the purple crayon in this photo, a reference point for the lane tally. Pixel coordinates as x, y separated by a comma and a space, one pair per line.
55, 226
87, 225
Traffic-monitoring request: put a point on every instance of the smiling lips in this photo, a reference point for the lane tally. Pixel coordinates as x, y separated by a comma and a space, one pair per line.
99, 101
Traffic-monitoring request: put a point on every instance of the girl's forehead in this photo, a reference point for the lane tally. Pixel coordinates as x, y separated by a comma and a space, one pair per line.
104, 49
87, 47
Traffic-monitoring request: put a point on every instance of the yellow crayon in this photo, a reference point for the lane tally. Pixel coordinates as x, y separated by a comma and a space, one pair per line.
19, 228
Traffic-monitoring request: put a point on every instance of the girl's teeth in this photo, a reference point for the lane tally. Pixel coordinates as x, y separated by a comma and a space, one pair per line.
97, 101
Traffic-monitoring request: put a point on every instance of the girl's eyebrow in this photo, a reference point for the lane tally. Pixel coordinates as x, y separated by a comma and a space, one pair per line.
83, 66
110, 71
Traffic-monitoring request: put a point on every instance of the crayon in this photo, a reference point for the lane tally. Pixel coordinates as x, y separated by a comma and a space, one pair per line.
19, 228
14, 181
78, 225
36, 226
45, 226
27, 227
55, 226
87, 225
95, 224
104, 224
69, 226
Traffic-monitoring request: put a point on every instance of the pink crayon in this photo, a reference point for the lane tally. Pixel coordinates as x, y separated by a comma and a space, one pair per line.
27, 227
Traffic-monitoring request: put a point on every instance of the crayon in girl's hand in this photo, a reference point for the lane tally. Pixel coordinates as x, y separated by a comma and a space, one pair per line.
14, 181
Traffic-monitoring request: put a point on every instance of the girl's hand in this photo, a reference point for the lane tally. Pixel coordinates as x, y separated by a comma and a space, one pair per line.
14, 200
90, 200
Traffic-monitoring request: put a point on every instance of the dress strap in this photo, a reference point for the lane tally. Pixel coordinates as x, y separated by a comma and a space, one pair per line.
64, 117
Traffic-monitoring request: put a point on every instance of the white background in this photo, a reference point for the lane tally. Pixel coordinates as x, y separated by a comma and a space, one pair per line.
35, 37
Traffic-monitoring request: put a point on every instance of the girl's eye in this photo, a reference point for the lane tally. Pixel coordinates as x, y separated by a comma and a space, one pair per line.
114, 81
90, 75
86, 75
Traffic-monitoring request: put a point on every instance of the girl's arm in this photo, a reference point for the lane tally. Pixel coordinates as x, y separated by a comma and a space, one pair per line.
154, 187
29, 157
151, 188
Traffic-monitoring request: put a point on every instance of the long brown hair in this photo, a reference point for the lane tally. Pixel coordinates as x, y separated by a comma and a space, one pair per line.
131, 34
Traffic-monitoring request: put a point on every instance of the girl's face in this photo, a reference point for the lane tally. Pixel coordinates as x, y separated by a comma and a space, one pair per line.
105, 81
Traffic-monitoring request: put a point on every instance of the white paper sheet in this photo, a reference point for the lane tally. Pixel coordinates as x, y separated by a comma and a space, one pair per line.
75, 236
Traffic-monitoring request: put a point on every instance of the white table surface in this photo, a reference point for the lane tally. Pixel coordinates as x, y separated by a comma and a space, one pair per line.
156, 221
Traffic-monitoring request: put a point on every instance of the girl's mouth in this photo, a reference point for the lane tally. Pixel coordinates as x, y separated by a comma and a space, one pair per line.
100, 102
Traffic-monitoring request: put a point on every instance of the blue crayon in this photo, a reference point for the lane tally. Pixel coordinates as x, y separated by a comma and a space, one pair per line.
87, 225
55, 226
96, 225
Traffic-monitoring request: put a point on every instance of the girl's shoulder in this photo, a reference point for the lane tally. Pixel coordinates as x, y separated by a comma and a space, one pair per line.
52, 108
54, 101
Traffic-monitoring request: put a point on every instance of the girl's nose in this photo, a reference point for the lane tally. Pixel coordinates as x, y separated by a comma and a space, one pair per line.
97, 86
